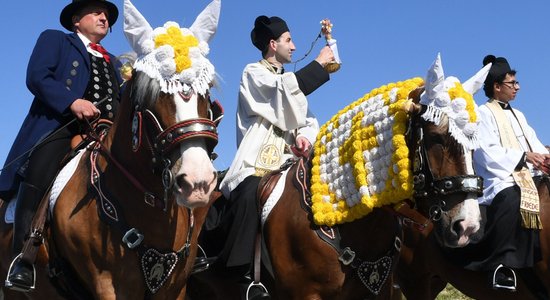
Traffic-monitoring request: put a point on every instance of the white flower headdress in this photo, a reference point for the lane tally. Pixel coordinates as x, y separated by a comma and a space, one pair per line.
175, 56
447, 96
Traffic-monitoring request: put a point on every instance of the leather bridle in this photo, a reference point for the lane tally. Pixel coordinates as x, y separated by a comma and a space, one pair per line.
163, 141
425, 184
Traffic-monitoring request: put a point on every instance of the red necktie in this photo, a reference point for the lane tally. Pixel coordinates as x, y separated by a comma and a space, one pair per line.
100, 49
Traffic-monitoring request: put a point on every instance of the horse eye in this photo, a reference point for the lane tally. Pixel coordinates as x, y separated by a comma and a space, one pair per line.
435, 139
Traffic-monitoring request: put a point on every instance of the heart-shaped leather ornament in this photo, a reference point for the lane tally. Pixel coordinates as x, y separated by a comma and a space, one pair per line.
374, 274
157, 267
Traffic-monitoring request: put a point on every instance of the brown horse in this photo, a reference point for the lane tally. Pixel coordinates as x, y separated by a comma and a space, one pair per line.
120, 229
125, 224
355, 260
424, 270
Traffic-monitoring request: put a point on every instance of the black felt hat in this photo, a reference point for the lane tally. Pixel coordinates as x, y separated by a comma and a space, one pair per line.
266, 29
73, 8
500, 67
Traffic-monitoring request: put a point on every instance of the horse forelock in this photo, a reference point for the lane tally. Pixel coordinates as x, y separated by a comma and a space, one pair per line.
451, 142
145, 90
440, 117
454, 150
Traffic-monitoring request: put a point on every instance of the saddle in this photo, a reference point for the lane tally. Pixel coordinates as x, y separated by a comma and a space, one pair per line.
268, 182
299, 171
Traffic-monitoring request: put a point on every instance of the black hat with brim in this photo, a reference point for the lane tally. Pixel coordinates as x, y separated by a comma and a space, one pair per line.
74, 8
266, 29
500, 67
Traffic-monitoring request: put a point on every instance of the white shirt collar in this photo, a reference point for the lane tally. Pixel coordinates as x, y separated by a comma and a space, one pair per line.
87, 42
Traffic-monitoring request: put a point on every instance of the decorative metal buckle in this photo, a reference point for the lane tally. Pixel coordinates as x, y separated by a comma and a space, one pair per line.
397, 244
132, 234
347, 256
149, 198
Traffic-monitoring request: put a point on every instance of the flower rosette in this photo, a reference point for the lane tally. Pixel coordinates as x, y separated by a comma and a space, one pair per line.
177, 59
460, 108
361, 159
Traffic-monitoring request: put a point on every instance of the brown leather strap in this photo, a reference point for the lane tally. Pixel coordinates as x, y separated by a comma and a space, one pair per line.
258, 256
266, 186
36, 238
413, 218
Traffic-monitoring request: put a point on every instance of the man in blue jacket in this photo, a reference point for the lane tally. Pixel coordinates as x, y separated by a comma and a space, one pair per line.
68, 74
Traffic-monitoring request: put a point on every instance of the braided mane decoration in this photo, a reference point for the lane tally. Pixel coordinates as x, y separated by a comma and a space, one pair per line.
361, 160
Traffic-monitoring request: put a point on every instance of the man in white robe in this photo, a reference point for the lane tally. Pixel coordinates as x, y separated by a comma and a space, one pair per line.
507, 243
274, 123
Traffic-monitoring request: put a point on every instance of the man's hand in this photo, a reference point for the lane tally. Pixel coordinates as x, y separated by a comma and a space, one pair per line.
302, 147
84, 109
325, 56
539, 161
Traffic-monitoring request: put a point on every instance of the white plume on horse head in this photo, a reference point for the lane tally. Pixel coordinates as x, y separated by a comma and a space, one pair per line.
136, 28
433, 84
473, 84
174, 55
206, 23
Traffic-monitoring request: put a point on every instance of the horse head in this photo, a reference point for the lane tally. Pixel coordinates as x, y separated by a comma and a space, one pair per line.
442, 136
171, 120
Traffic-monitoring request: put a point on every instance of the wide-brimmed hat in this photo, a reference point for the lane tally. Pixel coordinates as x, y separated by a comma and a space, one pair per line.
266, 29
73, 8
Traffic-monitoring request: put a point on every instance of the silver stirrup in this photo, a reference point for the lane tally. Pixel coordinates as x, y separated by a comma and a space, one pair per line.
16, 287
252, 284
498, 286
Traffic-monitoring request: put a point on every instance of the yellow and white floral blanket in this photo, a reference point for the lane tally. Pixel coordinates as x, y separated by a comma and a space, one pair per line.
361, 159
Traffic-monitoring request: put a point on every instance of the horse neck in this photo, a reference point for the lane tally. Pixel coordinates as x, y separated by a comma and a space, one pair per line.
543, 187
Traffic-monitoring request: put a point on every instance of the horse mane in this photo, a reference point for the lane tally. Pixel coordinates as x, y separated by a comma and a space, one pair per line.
144, 90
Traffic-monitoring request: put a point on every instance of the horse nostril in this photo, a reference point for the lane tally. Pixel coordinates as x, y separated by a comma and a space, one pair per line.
457, 227
182, 183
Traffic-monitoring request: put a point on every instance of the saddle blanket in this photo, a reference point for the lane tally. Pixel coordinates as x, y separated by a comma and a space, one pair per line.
10, 211
62, 179
274, 197
58, 185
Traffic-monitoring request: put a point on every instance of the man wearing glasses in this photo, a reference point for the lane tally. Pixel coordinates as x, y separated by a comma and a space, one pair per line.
509, 156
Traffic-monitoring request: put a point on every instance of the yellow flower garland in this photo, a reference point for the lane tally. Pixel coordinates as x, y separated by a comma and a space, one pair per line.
458, 92
361, 159
181, 44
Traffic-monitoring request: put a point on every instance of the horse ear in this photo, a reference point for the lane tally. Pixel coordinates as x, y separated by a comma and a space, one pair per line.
136, 28
206, 24
412, 107
434, 79
414, 95
473, 84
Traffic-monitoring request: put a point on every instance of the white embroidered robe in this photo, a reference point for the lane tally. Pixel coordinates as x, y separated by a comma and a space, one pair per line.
266, 98
495, 163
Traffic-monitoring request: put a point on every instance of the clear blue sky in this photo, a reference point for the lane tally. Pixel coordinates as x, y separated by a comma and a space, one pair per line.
379, 42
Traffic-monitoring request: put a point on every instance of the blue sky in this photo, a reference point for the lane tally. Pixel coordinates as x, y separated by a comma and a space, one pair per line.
379, 42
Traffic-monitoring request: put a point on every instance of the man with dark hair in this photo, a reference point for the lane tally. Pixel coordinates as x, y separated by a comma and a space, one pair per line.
68, 74
510, 155
273, 117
